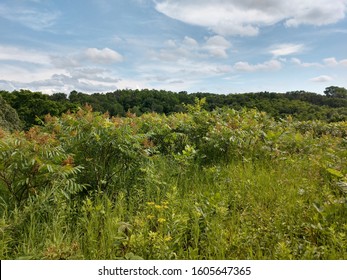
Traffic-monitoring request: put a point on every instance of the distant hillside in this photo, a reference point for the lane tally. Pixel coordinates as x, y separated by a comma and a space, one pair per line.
301, 105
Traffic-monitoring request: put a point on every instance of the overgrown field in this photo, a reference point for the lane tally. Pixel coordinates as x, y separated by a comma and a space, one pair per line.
224, 184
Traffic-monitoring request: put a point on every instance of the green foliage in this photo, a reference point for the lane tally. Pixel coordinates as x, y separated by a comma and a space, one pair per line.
221, 184
9, 119
110, 151
336, 92
32, 162
32, 106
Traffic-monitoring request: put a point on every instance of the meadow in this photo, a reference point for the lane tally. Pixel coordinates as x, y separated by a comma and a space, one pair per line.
221, 184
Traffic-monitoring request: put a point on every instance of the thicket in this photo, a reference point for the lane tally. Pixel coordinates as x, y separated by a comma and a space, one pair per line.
9, 119
221, 184
331, 107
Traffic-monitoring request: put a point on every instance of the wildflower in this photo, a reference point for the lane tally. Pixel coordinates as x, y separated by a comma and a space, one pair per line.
152, 235
168, 238
150, 203
161, 220
165, 204
97, 137
107, 124
150, 217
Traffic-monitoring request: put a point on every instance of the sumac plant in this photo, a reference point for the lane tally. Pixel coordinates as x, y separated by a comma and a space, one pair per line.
110, 150
34, 161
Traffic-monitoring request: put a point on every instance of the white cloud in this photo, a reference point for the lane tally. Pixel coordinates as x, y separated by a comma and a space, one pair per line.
12, 72
331, 61
317, 12
298, 62
190, 42
84, 57
327, 62
234, 17
29, 16
185, 73
189, 49
170, 43
185, 68
69, 82
47, 72
186, 63
93, 74
103, 56
65, 62
87, 80
321, 79
286, 49
217, 46
266, 66
11, 53
171, 55
174, 50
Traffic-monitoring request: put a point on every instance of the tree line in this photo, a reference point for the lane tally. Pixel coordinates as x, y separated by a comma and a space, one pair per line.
25, 108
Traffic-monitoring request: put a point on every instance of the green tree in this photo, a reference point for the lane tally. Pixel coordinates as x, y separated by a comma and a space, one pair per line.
61, 97
336, 92
9, 119
32, 105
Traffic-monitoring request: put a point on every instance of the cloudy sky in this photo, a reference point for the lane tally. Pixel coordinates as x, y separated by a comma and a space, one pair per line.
219, 46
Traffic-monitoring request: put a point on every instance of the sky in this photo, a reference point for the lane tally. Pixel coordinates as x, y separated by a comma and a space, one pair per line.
216, 46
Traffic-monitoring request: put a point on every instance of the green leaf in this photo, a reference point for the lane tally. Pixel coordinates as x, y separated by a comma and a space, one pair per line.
334, 172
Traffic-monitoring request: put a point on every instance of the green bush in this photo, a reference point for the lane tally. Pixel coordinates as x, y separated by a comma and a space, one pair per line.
224, 184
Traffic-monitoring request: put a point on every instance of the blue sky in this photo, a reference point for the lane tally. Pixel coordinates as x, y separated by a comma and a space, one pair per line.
218, 46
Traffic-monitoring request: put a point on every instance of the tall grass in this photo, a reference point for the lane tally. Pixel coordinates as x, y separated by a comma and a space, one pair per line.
272, 197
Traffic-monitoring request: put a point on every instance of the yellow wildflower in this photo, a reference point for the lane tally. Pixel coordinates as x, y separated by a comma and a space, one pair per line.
168, 238
161, 220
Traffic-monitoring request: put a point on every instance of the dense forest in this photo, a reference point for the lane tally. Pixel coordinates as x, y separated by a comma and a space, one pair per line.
31, 106
147, 174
